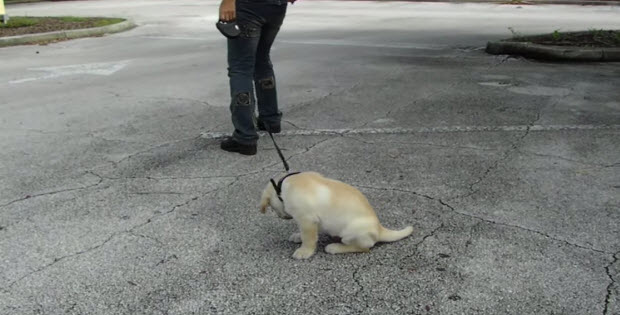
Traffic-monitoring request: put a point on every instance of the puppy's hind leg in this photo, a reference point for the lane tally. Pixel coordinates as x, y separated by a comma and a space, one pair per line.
339, 248
361, 244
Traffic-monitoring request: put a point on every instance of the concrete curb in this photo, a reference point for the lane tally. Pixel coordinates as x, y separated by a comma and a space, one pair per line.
564, 53
69, 34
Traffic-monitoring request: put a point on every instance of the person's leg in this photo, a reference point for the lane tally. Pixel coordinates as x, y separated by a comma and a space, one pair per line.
264, 77
241, 61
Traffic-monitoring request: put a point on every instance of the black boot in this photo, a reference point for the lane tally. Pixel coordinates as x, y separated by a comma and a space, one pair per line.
231, 145
272, 128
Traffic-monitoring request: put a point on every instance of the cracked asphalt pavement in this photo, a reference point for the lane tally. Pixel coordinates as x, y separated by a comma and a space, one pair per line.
115, 198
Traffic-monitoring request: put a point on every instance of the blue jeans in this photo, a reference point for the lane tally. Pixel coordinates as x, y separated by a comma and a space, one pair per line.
250, 69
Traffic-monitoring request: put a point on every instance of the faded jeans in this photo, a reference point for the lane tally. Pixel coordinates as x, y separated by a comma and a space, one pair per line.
250, 68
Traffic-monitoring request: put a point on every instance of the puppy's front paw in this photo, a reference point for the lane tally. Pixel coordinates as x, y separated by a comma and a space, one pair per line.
295, 238
303, 253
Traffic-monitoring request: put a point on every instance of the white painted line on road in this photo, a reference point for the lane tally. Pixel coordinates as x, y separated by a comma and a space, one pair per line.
182, 38
447, 129
365, 44
319, 42
497, 84
103, 68
214, 135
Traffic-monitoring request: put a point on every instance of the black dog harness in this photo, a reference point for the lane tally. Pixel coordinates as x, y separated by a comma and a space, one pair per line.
278, 187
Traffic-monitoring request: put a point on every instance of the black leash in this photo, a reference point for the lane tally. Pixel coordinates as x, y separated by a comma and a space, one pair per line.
278, 149
278, 186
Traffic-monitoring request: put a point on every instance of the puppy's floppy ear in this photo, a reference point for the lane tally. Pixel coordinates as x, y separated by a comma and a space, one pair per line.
265, 198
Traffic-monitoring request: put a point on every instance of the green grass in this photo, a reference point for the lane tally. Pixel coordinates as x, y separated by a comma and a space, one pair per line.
100, 21
19, 21
21, 1
72, 19
108, 21
25, 21
604, 35
590, 38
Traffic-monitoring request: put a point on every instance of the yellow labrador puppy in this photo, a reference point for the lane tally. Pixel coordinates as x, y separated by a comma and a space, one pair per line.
322, 204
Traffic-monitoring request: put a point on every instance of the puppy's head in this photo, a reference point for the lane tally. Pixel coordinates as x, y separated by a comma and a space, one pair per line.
270, 198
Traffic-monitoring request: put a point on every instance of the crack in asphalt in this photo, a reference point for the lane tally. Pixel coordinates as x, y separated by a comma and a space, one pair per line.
424, 238
503, 60
432, 233
43, 132
301, 105
27, 197
101, 178
559, 157
152, 218
292, 124
109, 238
611, 283
357, 280
307, 149
165, 177
56, 260
390, 111
115, 163
397, 189
523, 228
156, 240
514, 148
156, 193
92, 135
525, 152
419, 143
447, 205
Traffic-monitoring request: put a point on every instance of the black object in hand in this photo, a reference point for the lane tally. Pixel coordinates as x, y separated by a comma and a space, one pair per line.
228, 29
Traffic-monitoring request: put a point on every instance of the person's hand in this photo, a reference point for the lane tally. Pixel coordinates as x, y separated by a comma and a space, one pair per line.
227, 11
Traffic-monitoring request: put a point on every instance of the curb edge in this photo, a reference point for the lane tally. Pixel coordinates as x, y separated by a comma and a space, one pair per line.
68, 34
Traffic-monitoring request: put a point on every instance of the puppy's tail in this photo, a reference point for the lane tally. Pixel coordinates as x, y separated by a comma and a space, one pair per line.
387, 235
